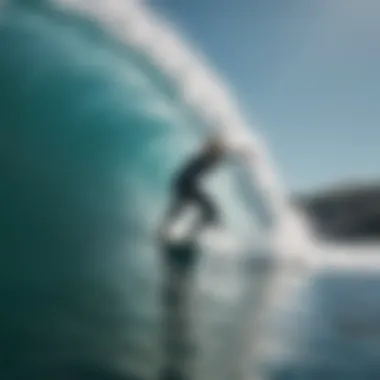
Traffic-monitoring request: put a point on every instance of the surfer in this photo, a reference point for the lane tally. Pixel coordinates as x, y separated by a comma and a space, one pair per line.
187, 183
180, 350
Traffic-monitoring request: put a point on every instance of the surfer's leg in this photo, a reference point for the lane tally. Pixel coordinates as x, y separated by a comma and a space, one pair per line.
210, 213
178, 203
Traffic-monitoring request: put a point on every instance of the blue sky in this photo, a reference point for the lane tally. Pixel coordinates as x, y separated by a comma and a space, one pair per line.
307, 72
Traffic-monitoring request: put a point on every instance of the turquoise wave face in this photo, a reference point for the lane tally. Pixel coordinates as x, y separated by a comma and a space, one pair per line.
89, 140
91, 134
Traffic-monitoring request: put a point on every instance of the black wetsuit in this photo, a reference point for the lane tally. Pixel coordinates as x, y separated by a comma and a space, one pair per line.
186, 187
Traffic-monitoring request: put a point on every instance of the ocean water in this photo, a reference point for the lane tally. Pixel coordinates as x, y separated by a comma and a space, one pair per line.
91, 134
337, 336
